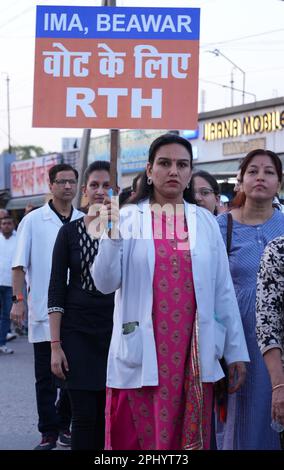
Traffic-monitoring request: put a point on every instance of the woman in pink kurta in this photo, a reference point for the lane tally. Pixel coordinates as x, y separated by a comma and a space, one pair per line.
174, 412
167, 416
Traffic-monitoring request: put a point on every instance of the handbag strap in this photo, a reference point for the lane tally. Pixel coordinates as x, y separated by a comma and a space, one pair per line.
229, 232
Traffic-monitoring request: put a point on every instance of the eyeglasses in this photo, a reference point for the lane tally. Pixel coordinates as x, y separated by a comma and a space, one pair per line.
64, 182
204, 192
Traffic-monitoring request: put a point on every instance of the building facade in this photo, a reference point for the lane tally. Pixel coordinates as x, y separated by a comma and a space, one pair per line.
223, 138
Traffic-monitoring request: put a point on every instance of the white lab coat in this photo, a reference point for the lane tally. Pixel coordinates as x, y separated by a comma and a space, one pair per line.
36, 236
127, 265
7, 249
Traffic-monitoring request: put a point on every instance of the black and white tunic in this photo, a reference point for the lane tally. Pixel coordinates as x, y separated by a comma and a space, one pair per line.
270, 297
87, 314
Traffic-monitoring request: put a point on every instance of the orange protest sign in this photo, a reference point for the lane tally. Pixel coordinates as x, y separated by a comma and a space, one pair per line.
125, 74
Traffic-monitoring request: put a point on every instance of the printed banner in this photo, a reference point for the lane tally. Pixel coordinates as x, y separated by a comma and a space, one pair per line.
30, 177
120, 68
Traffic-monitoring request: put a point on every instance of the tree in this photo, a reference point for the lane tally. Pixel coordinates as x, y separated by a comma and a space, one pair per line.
23, 152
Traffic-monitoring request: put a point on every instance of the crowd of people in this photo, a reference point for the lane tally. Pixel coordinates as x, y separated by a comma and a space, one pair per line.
141, 307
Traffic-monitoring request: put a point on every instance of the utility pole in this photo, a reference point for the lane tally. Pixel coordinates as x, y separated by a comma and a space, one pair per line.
83, 162
217, 52
8, 114
203, 100
232, 87
8, 110
114, 133
85, 145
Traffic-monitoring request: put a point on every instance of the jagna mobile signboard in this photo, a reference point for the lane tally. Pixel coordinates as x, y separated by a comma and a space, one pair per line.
121, 68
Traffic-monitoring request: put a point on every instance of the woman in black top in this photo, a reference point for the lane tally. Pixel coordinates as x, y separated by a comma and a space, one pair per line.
81, 319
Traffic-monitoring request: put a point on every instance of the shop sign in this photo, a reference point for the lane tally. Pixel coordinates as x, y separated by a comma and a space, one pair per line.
30, 177
248, 125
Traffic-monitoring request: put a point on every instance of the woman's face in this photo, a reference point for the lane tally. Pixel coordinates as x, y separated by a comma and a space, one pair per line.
97, 186
260, 180
204, 194
170, 173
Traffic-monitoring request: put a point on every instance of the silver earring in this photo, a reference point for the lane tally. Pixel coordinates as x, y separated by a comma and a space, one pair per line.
188, 185
149, 181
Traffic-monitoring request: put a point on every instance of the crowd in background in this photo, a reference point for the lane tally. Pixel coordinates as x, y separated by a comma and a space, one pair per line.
170, 338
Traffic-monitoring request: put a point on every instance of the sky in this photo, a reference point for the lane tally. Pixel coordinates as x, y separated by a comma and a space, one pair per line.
249, 33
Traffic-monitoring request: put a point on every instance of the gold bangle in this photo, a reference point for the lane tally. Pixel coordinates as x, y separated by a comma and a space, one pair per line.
277, 386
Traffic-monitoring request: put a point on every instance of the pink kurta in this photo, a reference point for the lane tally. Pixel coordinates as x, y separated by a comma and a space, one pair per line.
159, 418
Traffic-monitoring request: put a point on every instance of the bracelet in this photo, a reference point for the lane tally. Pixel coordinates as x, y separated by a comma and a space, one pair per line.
17, 298
277, 386
58, 341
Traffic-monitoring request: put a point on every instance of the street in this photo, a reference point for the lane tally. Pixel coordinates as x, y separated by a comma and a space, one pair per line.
18, 416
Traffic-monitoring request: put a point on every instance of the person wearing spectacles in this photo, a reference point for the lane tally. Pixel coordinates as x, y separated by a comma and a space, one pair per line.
204, 191
35, 240
63, 182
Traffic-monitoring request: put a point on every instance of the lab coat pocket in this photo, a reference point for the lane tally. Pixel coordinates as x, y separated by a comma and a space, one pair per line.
130, 349
220, 336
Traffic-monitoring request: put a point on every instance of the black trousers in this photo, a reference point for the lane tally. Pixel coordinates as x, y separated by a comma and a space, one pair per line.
53, 416
88, 419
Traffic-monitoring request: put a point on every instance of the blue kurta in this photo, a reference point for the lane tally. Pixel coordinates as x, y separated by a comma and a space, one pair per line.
250, 427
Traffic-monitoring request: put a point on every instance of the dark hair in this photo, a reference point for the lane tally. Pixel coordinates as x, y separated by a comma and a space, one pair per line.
273, 156
5, 211
167, 139
60, 167
210, 180
125, 195
98, 165
240, 199
135, 181
145, 190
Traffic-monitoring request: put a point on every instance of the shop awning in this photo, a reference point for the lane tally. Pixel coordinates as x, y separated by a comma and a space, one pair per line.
22, 202
223, 169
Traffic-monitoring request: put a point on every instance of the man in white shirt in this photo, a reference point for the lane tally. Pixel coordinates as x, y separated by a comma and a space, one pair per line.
7, 249
36, 236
